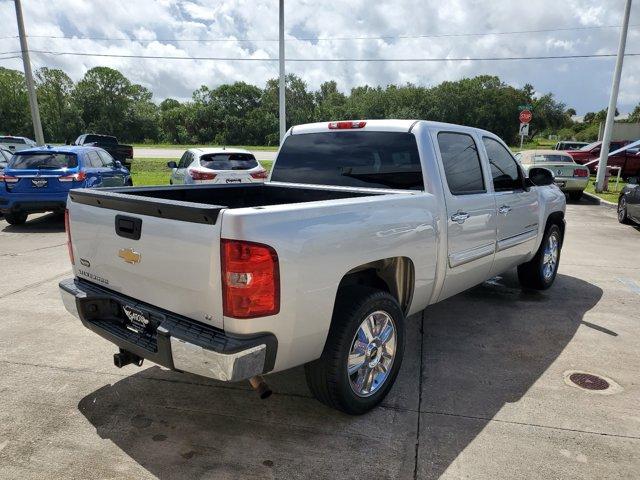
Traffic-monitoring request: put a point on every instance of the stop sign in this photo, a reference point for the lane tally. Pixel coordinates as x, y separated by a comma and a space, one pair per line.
526, 116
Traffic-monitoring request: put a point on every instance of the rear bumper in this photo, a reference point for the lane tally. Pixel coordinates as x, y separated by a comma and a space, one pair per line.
17, 202
571, 184
170, 340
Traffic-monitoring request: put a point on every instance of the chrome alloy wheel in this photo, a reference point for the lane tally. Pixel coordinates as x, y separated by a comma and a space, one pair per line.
372, 353
622, 209
550, 258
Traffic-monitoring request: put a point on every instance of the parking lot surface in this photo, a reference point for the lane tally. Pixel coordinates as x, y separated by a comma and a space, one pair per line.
481, 393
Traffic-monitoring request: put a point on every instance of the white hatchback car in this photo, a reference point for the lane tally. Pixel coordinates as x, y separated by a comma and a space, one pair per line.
216, 165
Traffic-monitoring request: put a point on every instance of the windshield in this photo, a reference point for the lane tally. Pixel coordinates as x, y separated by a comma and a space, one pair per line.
552, 159
228, 161
43, 161
100, 139
351, 159
586, 148
11, 140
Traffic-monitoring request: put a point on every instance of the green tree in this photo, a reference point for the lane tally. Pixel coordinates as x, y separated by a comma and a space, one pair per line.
61, 119
15, 117
635, 115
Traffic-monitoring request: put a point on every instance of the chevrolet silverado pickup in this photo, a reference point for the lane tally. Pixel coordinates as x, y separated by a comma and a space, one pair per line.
360, 225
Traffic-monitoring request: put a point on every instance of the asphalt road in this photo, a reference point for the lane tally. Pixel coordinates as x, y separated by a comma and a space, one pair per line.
152, 152
481, 393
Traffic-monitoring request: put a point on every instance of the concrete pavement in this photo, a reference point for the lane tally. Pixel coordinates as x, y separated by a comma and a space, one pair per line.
481, 393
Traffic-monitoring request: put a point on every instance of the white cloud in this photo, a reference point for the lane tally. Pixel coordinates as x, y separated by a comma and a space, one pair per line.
583, 84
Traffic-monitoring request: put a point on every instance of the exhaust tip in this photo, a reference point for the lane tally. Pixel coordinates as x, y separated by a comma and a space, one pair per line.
261, 387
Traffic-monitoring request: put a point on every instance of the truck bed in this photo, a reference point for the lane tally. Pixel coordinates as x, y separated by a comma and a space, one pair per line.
203, 203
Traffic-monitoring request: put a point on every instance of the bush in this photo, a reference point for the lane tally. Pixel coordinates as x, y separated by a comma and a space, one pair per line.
589, 134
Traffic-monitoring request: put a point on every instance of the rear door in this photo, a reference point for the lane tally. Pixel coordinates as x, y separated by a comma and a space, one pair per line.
471, 211
115, 176
518, 209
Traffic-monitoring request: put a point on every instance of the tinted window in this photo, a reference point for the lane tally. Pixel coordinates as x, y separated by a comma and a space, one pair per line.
504, 169
351, 159
552, 159
107, 160
93, 159
228, 161
185, 160
100, 139
45, 161
12, 140
461, 163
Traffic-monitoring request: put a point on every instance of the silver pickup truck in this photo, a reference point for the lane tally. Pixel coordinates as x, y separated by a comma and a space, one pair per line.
361, 225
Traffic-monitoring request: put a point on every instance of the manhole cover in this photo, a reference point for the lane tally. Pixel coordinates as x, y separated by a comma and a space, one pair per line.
588, 381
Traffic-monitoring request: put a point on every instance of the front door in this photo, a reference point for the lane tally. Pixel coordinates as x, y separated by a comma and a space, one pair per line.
518, 209
471, 212
178, 175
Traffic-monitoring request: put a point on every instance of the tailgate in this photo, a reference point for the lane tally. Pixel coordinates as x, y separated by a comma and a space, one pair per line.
174, 265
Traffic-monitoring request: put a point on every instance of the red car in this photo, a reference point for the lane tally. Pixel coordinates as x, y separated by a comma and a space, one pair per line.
629, 160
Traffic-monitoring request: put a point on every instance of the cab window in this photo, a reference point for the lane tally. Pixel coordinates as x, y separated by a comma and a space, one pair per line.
505, 172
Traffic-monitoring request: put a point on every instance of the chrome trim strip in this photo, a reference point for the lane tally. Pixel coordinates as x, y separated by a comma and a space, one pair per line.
517, 239
231, 367
460, 258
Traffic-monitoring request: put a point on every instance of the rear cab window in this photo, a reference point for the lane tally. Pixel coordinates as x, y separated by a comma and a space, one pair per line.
461, 162
43, 161
228, 161
363, 159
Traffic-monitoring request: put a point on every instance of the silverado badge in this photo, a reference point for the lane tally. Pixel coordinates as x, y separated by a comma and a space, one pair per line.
129, 255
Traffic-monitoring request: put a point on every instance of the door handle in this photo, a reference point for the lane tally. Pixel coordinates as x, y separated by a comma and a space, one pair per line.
504, 209
459, 217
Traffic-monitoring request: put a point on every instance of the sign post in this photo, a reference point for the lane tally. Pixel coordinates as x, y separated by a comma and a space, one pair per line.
525, 118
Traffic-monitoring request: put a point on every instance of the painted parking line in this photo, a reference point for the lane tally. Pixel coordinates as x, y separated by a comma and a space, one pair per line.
630, 284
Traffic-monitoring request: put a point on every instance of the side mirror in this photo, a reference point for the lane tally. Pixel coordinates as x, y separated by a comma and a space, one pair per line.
540, 177
172, 164
118, 164
632, 180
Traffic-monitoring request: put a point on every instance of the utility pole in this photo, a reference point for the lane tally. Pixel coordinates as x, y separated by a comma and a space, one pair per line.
613, 101
28, 75
281, 102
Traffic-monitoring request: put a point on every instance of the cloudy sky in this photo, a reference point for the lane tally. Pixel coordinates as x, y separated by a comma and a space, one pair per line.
326, 30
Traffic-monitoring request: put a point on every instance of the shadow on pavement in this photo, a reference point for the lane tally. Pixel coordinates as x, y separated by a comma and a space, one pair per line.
481, 350
49, 223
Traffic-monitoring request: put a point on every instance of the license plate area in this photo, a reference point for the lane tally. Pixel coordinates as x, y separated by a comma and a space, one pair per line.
39, 182
135, 319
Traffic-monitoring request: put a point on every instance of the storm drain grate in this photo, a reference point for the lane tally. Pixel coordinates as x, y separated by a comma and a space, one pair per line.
588, 381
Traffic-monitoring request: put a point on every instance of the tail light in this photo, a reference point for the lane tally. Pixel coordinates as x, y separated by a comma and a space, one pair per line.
259, 174
76, 177
200, 175
8, 179
250, 279
346, 125
67, 227
580, 172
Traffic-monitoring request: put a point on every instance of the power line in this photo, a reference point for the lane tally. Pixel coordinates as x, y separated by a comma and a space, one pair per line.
341, 60
321, 39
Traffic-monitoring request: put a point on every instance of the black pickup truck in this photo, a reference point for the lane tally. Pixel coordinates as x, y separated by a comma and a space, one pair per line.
123, 153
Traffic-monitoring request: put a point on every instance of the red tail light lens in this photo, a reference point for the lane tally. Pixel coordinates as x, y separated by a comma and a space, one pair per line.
67, 227
200, 175
346, 125
76, 177
250, 279
8, 179
260, 174
580, 172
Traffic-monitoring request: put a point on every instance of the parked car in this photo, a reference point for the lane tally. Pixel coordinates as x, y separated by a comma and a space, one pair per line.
361, 225
39, 180
122, 153
566, 145
5, 156
15, 144
629, 202
216, 165
571, 177
628, 160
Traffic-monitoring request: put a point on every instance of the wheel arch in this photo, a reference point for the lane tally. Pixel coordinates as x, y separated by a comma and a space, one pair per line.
556, 218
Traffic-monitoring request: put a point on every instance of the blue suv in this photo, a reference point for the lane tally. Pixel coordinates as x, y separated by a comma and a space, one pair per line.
39, 179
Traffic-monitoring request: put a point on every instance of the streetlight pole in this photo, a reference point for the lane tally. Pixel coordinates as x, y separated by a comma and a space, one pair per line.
281, 101
28, 75
613, 100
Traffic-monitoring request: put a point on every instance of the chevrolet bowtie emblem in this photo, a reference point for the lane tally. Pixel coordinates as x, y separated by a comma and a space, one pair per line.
129, 255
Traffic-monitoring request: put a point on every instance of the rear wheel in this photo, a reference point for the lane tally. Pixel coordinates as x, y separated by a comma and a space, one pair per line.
363, 353
622, 211
15, 218
575, 195
540, 272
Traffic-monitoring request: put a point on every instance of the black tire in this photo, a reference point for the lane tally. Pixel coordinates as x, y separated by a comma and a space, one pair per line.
129, 183
328, 377
531, 274
15, 218
622, 211
575, 195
